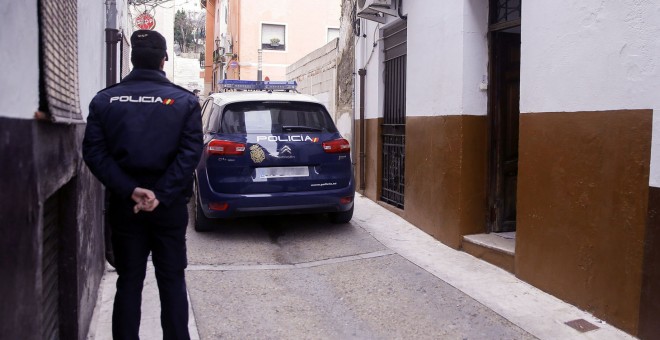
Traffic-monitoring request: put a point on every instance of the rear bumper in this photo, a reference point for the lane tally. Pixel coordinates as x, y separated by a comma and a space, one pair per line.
320, 201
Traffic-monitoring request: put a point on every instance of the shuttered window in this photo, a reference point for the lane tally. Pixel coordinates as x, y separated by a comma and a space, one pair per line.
58, 60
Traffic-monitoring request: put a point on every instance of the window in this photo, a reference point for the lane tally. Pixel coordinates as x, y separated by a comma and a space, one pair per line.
504, 14
58, 61
273, 37
332, 34
206, 112
255, 117
212, 125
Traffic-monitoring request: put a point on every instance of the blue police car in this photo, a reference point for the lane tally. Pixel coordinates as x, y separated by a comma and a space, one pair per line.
269, 150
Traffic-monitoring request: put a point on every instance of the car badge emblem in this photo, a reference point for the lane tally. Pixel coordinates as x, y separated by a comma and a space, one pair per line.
285, 150
257, 153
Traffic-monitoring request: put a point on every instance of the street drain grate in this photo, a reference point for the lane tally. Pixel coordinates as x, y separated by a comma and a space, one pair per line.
582, 325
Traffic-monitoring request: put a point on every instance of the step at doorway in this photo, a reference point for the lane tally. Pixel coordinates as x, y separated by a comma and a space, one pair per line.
495, 248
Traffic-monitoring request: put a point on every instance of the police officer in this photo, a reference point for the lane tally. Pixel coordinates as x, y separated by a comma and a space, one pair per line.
143, 141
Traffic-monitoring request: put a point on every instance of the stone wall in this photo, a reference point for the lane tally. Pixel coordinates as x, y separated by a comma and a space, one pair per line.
316, 74
328, 73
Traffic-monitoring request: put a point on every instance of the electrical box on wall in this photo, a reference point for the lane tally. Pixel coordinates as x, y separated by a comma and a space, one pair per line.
375, 10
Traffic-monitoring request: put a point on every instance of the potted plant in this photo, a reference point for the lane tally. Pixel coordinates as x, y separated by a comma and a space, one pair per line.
274, 42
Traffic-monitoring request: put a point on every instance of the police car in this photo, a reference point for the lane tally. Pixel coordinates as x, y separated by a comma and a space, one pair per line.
269, 150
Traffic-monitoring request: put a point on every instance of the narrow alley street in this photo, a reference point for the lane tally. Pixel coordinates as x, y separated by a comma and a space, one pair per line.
301, 277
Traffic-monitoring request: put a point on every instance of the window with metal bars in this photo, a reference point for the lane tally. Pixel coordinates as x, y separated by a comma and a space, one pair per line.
394, 120
59, 100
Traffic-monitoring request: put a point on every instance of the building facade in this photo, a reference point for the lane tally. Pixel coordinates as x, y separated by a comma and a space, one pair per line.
528, 121
51, 248
258, 40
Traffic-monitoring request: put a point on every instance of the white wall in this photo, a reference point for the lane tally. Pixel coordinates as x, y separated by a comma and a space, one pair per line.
446, 62
475, 57
369, 58
617, 45
435, 58
19, 42
91, 51
165, 25
590, 55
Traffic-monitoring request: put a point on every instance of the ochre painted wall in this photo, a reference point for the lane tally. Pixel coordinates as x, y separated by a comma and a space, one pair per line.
445, 173
372, 150
446, 176
582, 208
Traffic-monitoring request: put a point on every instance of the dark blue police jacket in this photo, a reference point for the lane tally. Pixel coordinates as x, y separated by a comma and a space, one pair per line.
144, 132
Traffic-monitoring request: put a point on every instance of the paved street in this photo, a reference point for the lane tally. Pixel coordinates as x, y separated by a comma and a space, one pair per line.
304, 278
378, 277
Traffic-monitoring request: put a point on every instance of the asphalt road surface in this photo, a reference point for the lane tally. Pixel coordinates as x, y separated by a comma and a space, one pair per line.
301, 277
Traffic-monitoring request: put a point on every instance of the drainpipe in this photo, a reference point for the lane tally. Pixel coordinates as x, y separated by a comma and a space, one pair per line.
362, 72
404, 17
112, 37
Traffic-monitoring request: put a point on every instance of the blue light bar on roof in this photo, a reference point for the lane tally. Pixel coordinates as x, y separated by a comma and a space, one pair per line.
239, 84
255, 85
280, 85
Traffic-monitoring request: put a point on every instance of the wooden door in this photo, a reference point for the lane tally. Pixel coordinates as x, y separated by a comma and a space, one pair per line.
504, 112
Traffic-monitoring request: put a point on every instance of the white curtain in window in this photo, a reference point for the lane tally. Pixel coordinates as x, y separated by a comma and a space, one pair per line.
269, 31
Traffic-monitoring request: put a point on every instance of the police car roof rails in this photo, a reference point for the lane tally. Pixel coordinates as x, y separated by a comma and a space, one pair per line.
256, 85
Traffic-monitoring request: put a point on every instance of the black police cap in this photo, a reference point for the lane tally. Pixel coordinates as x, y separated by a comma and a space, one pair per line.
148, 48
148, 39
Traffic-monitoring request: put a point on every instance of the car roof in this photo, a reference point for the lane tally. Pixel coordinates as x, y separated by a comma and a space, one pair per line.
224, 98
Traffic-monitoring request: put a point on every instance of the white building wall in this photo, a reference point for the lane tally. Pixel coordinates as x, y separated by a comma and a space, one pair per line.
19, 53
447, 59
590, 56
165, 26
369, 57
435, 58
20, 82
475, 58
91, 51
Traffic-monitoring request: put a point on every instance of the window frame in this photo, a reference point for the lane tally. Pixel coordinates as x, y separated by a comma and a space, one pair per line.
282, 47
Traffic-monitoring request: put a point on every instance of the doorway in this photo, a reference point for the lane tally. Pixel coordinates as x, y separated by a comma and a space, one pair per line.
503, 113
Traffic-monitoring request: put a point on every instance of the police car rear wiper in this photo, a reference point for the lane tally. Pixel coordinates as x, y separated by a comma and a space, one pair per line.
300, 128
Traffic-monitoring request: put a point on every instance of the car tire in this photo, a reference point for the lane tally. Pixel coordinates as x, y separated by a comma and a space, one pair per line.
201, 222
341, 217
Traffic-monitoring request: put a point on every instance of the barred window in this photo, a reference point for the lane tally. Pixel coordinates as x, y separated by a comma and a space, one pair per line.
58, 60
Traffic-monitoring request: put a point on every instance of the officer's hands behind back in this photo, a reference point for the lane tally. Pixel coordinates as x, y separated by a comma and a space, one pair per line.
145, 200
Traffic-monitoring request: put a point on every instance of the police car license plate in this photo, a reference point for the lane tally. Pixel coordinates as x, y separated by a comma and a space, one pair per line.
282, 172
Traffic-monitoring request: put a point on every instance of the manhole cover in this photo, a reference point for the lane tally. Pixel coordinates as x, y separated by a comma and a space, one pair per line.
582, 325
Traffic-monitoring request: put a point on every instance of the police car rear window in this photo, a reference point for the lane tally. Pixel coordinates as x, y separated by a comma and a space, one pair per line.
275, 117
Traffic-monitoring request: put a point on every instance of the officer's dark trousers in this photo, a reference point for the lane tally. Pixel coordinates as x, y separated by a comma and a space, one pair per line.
161, 232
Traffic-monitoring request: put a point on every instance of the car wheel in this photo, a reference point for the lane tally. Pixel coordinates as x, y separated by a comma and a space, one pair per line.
202, 223
342, 216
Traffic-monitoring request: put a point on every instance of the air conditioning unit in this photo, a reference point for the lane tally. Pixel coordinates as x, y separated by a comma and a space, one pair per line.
375, 10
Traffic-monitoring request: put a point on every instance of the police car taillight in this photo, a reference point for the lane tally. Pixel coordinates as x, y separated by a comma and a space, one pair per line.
224, 147
340, 145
